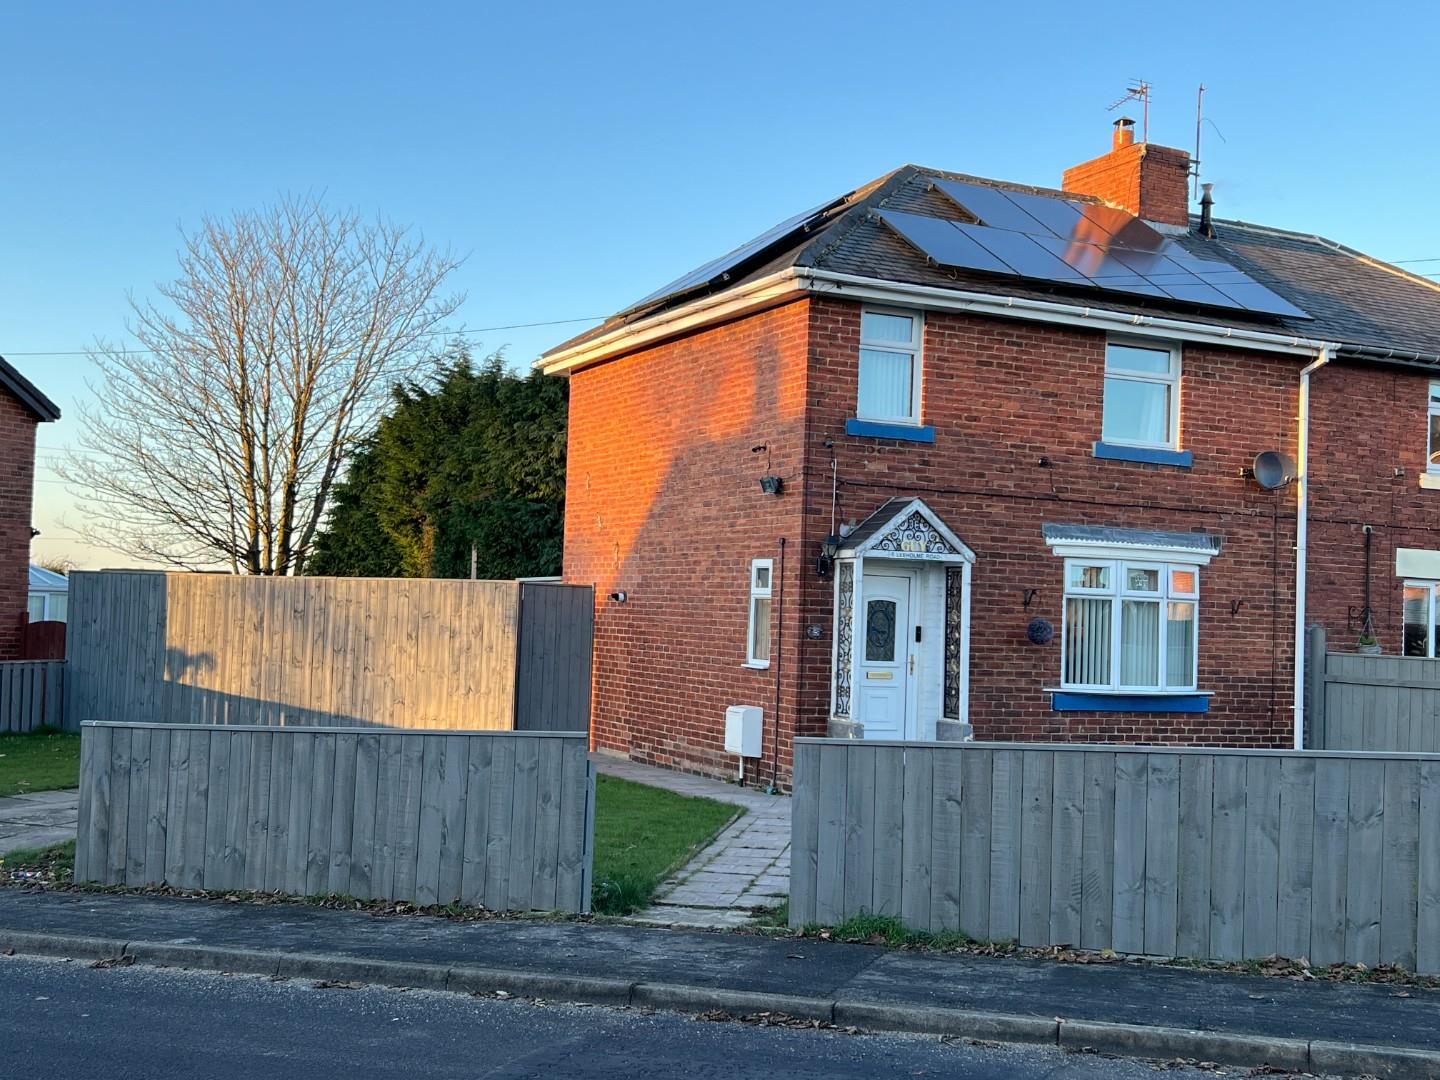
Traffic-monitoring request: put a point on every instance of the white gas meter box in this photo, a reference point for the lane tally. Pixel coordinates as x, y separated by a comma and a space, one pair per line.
742, 730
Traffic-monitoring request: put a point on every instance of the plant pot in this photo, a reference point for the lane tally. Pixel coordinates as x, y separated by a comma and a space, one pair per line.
1368, 650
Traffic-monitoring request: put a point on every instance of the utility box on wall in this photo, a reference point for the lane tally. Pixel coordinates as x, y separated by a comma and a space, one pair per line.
743, 724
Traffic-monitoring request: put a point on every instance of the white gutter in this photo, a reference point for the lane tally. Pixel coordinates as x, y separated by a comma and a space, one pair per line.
1015, 307
1302, 531
794, 282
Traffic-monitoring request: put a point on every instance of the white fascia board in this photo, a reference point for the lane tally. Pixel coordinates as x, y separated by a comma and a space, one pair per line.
786, 284
896, 293
1080, 549
764, 292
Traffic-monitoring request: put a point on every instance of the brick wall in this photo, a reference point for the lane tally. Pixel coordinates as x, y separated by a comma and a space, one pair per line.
17, 475
1001, 396
664, 503
1148, 180
1368, 447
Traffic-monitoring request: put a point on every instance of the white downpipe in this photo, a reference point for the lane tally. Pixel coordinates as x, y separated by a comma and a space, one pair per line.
1302, 530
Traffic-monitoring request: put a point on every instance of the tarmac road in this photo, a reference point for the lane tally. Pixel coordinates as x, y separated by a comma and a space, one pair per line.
67, 1019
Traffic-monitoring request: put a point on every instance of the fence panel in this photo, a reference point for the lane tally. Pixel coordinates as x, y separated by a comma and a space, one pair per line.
32, 694
1207, 853
1362, 702
151, 647
552, 682
310, 810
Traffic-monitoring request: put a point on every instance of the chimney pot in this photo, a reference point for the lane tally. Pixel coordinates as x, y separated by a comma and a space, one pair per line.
1124, 133
1207, 201
1149, 181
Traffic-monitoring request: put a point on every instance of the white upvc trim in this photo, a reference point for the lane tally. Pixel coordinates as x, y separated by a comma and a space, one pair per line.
757, 592
764, 292
1171, 380
787, 284
935, 298
914, 348
1149, 553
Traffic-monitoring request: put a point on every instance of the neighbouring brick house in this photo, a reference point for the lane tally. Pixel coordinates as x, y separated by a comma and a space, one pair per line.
22, 409
1015, 433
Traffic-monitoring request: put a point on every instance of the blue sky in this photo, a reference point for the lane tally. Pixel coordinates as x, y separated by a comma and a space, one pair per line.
581, 155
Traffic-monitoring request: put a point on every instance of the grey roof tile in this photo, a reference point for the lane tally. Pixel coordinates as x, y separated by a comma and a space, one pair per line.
1351, 298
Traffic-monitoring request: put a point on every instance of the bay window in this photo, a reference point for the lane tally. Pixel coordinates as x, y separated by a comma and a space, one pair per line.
1130, 625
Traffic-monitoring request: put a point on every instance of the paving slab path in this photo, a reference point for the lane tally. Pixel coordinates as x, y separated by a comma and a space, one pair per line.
744, 868
38, 819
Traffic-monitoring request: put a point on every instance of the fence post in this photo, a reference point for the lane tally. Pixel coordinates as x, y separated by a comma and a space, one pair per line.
1315, 735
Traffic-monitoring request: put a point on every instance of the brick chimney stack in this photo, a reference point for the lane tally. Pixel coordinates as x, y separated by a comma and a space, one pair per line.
1151, 182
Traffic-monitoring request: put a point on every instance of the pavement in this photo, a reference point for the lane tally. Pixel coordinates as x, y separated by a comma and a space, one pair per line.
746, 867
38, 819
1121, 1008
60, 1020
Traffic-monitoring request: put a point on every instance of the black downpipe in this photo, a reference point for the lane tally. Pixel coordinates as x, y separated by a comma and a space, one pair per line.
779, 653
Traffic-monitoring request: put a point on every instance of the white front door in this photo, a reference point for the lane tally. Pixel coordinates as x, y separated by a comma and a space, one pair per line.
887, 660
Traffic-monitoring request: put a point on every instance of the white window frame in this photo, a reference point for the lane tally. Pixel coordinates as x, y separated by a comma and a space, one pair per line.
915, 350
1430, 587
1432, 465
1118, 592
1170, 379
758, 592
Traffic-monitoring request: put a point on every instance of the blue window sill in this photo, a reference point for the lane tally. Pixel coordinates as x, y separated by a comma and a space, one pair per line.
904, 432
1114, 452
1083, 701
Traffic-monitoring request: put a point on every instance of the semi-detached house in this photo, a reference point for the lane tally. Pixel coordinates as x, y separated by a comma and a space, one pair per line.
950, 455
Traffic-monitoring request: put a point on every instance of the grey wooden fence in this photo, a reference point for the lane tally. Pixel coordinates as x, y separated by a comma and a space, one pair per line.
500, 820
32, 694
413, 654
1217, 854
552, 683
1361, 702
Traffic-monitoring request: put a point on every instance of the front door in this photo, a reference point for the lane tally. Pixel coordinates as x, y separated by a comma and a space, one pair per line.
886, 658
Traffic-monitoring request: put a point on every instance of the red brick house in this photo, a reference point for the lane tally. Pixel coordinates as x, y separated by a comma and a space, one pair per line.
949, 454
22, 409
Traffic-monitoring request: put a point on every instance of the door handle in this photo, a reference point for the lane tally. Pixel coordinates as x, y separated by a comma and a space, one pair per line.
912, 663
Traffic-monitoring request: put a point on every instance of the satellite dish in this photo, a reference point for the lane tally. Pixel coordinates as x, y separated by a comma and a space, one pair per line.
1274, 469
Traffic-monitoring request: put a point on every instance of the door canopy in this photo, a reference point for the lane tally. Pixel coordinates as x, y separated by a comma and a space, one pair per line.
905, 529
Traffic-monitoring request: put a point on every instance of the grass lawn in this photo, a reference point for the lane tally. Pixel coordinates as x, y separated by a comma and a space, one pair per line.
57, 861
642, 834
40, 761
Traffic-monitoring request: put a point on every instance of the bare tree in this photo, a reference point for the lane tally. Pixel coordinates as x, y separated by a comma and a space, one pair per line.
217, 439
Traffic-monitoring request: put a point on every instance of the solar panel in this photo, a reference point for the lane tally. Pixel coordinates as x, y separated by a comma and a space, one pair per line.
942, 241
1023, 255
1069, 242
716, 268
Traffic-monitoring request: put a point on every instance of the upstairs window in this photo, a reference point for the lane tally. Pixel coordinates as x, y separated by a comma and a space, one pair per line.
1130, 626
1142, 395
1432, 451
757, 638
889, 367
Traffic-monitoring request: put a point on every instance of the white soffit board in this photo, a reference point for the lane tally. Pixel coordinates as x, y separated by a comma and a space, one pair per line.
1417, 563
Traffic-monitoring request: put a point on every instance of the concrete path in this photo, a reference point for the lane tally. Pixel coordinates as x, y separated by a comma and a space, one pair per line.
746, 867
38, 819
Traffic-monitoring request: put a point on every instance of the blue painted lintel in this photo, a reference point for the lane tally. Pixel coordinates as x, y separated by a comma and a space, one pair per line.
1086, 701
905, 432
1151, 455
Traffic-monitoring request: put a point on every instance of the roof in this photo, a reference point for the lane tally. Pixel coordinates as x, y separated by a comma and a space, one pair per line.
29, 396
905, 528
42, 580
1360, 302
1201, 543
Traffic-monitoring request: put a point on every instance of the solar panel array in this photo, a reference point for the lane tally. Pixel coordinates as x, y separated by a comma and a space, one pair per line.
719, 268
1075, 243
